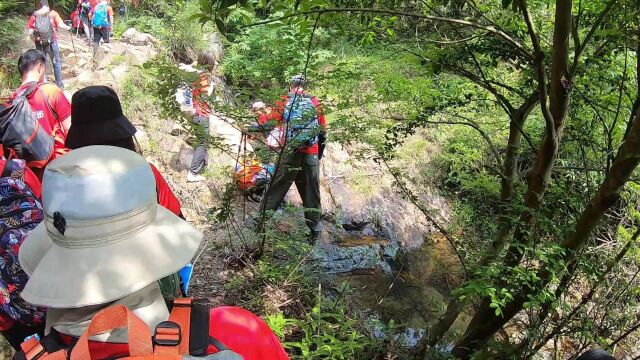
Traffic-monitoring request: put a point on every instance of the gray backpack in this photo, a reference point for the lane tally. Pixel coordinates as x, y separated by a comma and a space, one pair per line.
44, 29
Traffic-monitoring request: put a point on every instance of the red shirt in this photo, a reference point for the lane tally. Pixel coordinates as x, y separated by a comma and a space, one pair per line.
238, 329
200, 95
55, 20
266, 117
280, 105
50, 116
166, 198
75, 19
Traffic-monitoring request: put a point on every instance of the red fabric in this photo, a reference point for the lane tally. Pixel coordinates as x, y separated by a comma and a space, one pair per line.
6, 322
55, 20
238, 329
166, 198
51, 123
266, 117
32, 182
200, 95
280, 105
75, 20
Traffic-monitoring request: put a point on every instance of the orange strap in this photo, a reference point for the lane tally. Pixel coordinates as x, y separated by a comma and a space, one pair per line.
181, 315
113, 318
34, 350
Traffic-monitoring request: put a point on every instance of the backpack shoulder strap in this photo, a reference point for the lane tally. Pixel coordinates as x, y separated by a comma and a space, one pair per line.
29, 90
193, 317
172, 337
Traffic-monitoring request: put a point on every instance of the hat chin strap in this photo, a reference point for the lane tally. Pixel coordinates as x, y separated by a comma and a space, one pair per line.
147, 303
101, 232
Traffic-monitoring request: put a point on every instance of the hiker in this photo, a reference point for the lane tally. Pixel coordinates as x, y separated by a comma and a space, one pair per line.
17, 318
43, 29
304, 123
95, 261
202, 89
97, 119
122, 9
101, 16
84, 8
47, 102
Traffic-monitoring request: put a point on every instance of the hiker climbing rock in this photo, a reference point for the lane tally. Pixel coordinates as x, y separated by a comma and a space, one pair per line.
40, 142
43, 29
101, 16
202, 90
96, 268
304, 129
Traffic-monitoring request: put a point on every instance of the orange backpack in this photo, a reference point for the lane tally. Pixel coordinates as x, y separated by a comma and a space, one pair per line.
170, 341
246, 174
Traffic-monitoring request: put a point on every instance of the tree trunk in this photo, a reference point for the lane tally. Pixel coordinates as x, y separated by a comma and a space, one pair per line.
455, 306
480, 329
625, 163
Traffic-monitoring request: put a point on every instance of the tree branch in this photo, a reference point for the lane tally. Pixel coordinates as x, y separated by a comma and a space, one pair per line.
579, 50
490, 29
538, 59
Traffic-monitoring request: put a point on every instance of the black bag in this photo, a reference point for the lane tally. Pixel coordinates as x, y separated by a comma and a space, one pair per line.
44, 29
21, 131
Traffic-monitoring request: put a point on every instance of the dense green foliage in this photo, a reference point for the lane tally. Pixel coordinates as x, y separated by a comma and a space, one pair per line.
391, 71
10, 35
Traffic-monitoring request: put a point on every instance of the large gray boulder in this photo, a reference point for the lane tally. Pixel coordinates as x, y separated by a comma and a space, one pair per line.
137, 38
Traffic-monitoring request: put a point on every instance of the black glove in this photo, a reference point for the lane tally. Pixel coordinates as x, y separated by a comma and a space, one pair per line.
322, 141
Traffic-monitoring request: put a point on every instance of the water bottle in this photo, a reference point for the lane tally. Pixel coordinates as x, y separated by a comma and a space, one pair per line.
187, 96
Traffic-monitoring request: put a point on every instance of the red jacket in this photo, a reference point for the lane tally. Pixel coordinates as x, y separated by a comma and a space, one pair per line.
238, 329
166, 198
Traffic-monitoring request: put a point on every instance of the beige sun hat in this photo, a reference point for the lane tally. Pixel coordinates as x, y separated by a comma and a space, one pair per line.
104, 236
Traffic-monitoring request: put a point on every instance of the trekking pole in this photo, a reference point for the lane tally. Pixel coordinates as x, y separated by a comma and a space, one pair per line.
75, 54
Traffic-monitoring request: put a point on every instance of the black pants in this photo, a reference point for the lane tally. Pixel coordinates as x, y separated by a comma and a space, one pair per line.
200, 156
15, 336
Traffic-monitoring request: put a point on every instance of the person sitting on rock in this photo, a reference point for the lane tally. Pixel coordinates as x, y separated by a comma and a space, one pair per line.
97, 119
43, 29
49, 104
95, 261
202, 90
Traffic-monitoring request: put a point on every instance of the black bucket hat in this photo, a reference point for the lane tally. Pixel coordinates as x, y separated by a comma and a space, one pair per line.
97, 118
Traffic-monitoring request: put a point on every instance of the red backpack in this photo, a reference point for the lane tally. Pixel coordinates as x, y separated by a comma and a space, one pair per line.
169, 342
186, 334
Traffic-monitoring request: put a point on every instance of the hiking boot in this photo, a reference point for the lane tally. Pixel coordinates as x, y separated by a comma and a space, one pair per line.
313, 237
191, 177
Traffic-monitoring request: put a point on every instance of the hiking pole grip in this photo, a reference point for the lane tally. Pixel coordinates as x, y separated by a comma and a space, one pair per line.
113, 318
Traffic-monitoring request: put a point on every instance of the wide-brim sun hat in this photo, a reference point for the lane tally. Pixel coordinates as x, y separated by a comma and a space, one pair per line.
97, 118
104, 236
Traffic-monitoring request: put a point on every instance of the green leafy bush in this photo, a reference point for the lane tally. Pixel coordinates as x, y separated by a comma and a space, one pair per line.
181, 36
10, 33
262, 57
